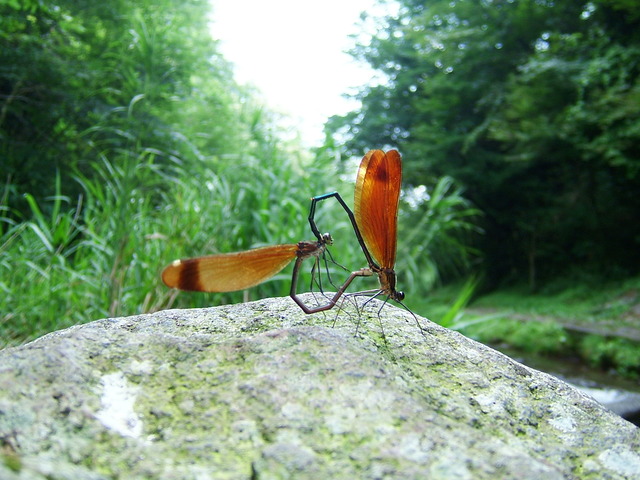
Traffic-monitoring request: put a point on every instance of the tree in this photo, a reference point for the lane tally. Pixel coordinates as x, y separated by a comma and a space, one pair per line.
531, 105
85, 80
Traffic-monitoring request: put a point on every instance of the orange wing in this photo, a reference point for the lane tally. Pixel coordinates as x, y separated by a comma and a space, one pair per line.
376, 203
228, 272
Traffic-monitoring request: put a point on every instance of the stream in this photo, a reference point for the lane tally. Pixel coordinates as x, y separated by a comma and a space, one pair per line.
618, 394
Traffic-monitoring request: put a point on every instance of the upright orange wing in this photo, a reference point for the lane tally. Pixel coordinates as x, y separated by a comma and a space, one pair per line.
228, 272
376, 204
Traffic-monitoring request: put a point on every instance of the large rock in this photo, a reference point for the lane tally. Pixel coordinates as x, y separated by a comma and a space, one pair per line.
262, 391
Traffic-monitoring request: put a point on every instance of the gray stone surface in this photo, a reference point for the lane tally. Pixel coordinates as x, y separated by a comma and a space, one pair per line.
262, 391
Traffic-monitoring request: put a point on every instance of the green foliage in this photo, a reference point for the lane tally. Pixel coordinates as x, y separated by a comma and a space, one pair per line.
621, 354
83, 80
453, 316
532, 337
550, 338
533, 108
125, 144
577, 305
148, 151
103, 256
37, 273
435, 236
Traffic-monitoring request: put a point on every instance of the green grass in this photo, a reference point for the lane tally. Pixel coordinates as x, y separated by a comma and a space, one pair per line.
74, 260
101, 255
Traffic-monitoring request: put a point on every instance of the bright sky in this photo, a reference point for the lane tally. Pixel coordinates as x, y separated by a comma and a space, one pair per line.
293, 51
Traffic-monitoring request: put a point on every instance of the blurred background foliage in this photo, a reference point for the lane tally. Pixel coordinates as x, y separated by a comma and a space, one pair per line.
125, 142
534, 108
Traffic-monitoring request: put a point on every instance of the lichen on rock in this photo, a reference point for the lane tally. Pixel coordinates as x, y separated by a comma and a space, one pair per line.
260, 390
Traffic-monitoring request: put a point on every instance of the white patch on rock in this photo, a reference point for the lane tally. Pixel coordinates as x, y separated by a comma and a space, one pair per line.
117, 400
621, 460
562, 419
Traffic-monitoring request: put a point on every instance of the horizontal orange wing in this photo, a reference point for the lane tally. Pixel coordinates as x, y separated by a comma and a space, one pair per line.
376, 203
228, 272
